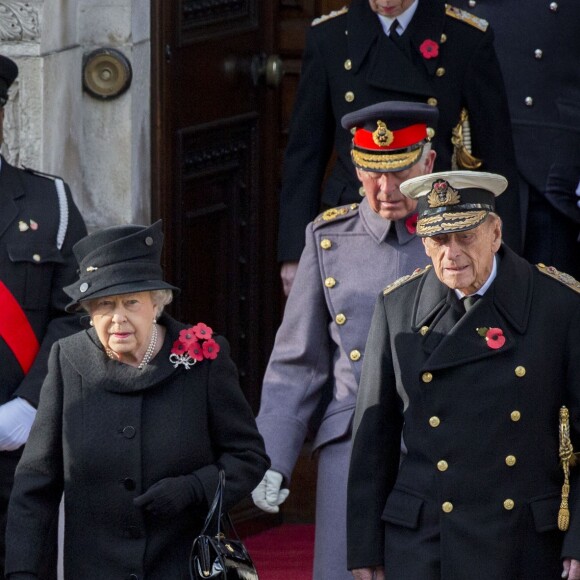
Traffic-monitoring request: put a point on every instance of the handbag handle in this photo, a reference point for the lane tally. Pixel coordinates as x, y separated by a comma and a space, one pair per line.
216, 504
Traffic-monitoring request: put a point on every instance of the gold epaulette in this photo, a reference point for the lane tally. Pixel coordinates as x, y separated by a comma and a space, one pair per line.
466, 17
562, 277
335, 213
404, 279
329, 16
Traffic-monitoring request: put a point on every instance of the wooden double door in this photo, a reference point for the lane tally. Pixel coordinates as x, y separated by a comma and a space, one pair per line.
220, 115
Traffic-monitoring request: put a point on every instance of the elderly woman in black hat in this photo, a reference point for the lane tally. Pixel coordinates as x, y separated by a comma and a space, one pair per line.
136, 417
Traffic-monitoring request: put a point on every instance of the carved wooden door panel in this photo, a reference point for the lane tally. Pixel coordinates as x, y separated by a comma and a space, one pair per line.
219, 132
214, 126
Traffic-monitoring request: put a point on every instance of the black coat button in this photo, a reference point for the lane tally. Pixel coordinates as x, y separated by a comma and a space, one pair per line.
129, 484
129, 432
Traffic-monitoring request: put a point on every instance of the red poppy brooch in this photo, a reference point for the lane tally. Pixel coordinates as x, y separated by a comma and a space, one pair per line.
194, 345
429, 49
493, 336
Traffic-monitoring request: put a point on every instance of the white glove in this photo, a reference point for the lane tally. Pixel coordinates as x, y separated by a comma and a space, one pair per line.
268, 495
16, 418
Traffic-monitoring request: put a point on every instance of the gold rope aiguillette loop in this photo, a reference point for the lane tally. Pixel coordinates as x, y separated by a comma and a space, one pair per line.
568, 459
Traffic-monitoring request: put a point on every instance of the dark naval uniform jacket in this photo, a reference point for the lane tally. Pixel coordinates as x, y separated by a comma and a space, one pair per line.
35, 269
104, 433
542, 78
350, 63
479, 488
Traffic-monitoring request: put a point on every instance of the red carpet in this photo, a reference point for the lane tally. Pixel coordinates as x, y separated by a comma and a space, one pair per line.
283, 553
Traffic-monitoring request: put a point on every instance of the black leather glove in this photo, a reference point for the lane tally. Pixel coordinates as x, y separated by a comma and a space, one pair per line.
171, 495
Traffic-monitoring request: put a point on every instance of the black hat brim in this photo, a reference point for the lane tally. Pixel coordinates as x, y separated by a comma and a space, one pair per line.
114, 290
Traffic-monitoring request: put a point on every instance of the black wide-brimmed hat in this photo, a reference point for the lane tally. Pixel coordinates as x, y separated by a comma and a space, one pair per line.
8, 72
390, 136
453, 201
118, 260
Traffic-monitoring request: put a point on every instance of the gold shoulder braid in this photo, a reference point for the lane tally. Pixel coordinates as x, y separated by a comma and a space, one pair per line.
466, 17
336, 213
568, 459
404, 279
562, 277
330, 16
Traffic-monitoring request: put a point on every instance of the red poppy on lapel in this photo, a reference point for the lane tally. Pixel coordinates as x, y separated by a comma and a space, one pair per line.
429, 49
493, 336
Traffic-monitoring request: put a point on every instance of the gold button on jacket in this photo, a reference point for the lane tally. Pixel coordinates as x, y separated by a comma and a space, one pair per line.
340, 319
434, 421
330, 282
325, 244
355, 355
442, 465
509, 504
426, 377
447, 507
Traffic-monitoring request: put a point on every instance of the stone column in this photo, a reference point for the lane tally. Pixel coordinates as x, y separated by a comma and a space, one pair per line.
100, 147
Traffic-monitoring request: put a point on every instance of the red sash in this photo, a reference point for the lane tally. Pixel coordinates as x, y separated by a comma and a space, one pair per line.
16, 330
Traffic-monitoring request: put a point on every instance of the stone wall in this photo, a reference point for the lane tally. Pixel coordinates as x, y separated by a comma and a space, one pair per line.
100, 147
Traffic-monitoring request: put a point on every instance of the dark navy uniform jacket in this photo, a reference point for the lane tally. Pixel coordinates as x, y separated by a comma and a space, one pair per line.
350, 63
35, 270
538, 46
482, 476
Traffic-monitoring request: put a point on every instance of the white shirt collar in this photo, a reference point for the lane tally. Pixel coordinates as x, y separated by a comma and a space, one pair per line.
404, 19
487, 284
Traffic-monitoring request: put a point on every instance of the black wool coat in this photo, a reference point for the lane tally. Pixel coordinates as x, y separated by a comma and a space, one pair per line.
478, 491
350, 56
104, 433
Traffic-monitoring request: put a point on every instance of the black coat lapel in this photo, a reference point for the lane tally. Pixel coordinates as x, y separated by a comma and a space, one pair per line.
427, 24
388, 67
506, 306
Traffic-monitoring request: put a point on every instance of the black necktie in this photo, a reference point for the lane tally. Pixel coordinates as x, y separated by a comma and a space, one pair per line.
396, 37
469, 301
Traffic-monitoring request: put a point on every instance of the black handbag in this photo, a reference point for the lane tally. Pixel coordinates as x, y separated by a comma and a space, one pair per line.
217, 557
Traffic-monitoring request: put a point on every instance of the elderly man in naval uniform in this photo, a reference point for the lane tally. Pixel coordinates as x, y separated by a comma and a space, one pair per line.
474, 362
351, 253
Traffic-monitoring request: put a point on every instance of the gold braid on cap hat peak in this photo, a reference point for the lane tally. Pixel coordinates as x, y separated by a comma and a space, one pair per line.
386, 160
466, 221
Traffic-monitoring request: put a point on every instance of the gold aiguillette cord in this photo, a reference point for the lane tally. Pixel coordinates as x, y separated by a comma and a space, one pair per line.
568, 459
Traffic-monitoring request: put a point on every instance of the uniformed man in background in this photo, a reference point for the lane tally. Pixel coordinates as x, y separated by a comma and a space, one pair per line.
351, 253
39, 224
470, 362
538, 46
403, 50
